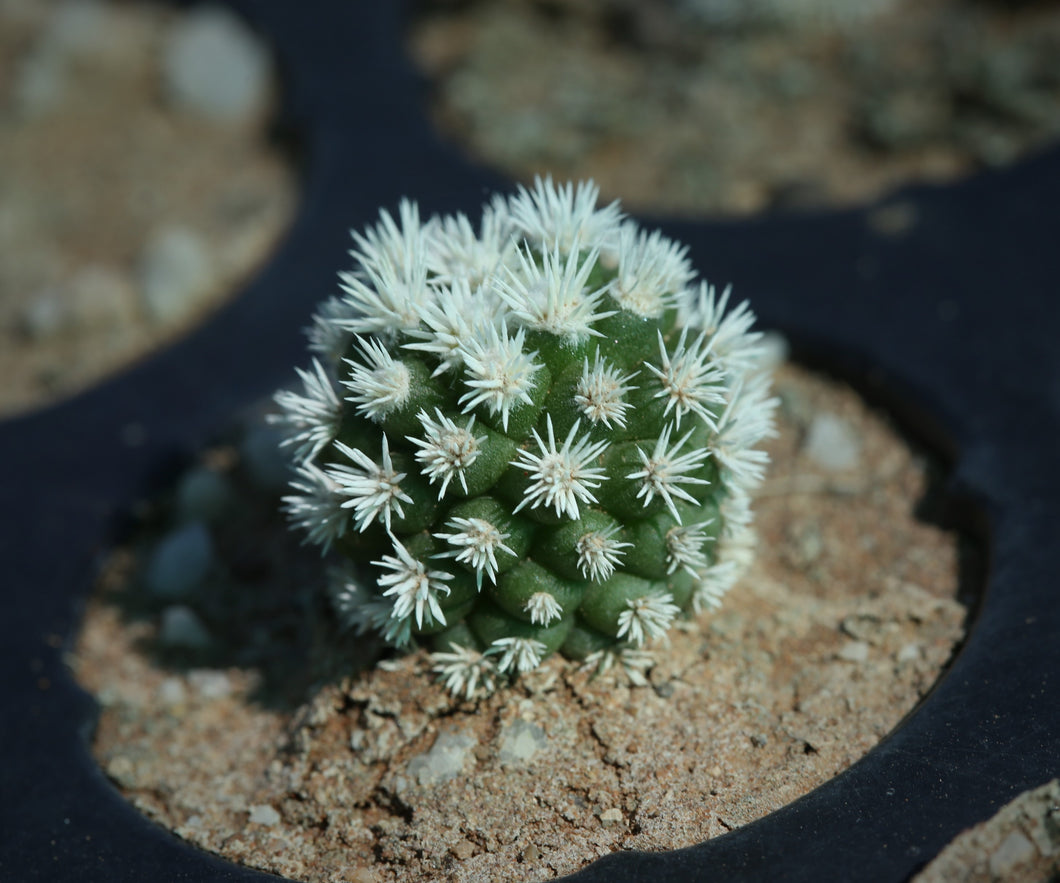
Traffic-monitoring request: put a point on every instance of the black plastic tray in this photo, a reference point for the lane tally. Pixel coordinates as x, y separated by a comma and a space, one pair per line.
955, 324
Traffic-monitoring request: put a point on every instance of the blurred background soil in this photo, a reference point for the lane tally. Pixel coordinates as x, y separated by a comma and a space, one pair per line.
141, 183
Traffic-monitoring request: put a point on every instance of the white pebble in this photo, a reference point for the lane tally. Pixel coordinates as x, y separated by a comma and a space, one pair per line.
215, 66
831, 443
854, 651
909, 653
210, 684
444, 761
46, 315
171, 692
263, 814
520, 741
175, 274
1014, 851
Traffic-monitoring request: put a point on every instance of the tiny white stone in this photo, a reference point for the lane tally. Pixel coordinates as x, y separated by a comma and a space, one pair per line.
263, 814
1014, 851
909, 653
213, 65
175, 274
47, 314
832, 443
520, 741
210, 684
171, 692
444, 761
854, 651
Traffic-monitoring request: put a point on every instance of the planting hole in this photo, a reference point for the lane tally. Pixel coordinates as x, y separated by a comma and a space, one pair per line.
732, 107
234, 714
139, 186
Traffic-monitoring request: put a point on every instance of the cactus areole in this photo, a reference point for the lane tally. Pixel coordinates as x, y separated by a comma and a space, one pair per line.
532, 435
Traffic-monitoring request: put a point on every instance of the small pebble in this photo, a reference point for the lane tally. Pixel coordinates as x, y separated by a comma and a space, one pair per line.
180, 562
444, 761
832, 443
214, 66
263, 814
172, 692
46, 315
611, 817
909, 653
854, 651
210, 684
1015, 850
181, 628
123, 771
463, 849
203, 494
175, 274
520, 741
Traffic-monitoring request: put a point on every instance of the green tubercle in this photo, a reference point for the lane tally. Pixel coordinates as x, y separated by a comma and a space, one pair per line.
540, 441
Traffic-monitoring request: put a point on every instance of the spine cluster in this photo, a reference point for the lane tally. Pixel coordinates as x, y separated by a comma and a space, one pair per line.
534, 435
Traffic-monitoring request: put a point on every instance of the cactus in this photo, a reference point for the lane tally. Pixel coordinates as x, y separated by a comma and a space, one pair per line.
534, 437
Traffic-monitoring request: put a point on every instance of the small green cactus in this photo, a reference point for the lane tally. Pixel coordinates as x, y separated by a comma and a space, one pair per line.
534, 437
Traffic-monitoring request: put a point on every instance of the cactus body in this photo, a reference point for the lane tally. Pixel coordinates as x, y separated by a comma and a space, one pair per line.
534, 437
